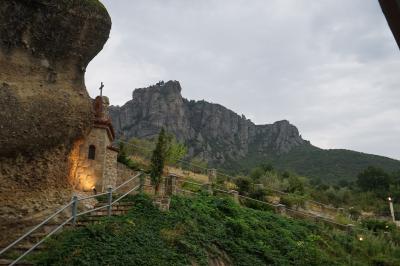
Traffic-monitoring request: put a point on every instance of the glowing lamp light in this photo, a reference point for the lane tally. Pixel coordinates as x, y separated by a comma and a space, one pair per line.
390, 198
361, 238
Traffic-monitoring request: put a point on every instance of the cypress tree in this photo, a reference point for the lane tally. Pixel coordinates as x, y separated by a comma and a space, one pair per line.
158, 160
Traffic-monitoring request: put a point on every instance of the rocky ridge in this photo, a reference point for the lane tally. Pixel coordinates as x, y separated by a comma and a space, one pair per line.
232, 142
211, 131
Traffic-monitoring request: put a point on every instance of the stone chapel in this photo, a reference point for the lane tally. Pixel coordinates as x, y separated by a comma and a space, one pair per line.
96, 167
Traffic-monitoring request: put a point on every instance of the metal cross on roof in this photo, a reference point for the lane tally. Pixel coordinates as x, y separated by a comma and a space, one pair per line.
101, 89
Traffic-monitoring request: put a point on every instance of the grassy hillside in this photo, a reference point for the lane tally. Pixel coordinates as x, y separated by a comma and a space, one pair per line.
329, 165
208, 230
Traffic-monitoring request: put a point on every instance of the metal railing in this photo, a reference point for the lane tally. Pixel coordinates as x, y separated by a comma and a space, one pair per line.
221, 173
74, 215
279, 207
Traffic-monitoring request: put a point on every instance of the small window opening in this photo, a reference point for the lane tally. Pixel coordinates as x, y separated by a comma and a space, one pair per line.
92, 152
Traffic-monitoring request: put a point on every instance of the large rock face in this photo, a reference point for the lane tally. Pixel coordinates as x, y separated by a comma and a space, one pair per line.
45, 47
232, 142
213, 132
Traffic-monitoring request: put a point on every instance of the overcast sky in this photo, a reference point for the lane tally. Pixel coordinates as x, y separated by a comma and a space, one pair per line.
330, 67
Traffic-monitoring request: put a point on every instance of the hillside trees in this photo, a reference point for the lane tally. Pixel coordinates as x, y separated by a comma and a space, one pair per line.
124, 158
243, 184
374, 179
175, 150
198, 164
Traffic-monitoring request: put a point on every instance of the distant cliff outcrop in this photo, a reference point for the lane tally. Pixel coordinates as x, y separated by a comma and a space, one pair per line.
211, 131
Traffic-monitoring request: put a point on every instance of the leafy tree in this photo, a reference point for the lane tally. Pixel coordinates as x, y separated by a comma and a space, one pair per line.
322, 187
292, 200
316, 181
296, 185
343, 183
158, 160
344, 195
142, 147
355, 213
267, 167
332, 195
199, 164
378, 225
175, 150
256, 173
272, 180
374, 179
243, 184
258, 194
124, 158
285, 174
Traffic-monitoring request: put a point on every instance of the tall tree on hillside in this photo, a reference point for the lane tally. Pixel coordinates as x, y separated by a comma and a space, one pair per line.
374, 179
158, 161
175, 150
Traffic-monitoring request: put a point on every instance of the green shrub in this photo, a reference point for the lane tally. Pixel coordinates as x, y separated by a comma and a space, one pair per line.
293, 201
243, 185
378, 225
258, 194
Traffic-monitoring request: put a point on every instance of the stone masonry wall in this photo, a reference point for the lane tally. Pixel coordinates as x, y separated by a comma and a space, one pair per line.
123, 174
110, 172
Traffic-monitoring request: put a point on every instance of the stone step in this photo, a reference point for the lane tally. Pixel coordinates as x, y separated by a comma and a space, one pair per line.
117, 208
99, 216
105, 213
90, 218
20, 249
100, 204
25, 246
85, 223
20, 263
36, 237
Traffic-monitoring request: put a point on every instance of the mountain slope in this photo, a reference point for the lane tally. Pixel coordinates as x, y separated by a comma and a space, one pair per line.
225, 139
329, 165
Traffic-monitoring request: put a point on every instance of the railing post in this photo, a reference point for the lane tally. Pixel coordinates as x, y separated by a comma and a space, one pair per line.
212, 175
350, 228
207, 187
74, 209
142, 180
109, 206
280, 209
235, 196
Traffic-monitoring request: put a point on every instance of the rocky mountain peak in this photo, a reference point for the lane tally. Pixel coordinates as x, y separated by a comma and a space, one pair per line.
170, 88
211, 131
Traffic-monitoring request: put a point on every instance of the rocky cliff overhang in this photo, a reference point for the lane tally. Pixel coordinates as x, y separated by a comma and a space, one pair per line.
45, 47
45, 110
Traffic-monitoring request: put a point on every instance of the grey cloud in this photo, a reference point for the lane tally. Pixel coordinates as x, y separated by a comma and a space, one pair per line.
329, 66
